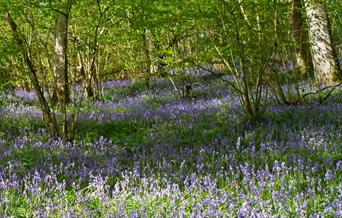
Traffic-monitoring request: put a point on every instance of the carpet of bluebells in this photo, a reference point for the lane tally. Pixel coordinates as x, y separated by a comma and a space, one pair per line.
152, 153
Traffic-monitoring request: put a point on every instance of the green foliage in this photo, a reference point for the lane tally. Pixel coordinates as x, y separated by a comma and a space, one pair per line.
15, 126
28, 159
126, 133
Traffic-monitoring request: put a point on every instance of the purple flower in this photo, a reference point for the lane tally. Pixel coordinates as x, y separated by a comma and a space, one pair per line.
329, 175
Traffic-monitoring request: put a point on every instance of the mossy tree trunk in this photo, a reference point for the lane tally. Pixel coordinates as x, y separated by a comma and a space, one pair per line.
301, 37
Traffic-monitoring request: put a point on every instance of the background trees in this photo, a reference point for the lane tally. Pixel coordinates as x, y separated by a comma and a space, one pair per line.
56, 45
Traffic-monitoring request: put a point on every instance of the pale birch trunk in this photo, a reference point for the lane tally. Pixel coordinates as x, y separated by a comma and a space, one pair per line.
324, 58
61, 59
61, 62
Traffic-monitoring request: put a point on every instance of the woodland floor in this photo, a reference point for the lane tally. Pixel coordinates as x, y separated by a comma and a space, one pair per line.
152, 153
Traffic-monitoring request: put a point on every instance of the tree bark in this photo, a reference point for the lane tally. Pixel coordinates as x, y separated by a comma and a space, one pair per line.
301, 38
147, 53
61, 62
324, 58
86, 77
61, 58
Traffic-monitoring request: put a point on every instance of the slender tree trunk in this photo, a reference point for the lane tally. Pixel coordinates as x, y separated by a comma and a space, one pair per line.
93, 66
48, 116
86, 77
92, 76
61, 58
61, 63
324, 58
147, 52
301, 38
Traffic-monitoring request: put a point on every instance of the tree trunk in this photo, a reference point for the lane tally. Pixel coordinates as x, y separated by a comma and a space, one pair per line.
86, 77
61, 62
324, 58
147, 53
61, 58
48, 116
301, 38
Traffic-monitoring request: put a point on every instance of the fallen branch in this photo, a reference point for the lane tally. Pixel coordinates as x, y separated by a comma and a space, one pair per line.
317, 92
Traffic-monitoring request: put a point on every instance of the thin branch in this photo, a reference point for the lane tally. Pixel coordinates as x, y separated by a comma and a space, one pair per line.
44, 7
213, 73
